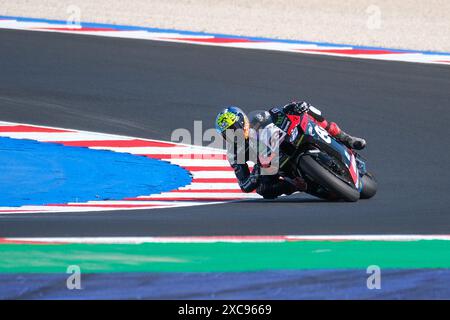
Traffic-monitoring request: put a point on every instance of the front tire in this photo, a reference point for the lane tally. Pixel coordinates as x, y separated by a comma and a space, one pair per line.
312, 169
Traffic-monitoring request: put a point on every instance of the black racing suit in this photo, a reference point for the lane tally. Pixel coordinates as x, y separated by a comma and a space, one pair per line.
271, 186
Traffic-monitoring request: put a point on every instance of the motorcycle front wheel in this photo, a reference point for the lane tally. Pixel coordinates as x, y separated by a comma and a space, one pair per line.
317, 173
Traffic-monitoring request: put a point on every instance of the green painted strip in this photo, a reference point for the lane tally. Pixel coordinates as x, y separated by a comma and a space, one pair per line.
223, 257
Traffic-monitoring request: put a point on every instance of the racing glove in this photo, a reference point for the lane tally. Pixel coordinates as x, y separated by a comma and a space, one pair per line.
296, 107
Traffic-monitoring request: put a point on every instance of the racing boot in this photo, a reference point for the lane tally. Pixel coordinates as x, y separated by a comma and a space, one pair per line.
350, 141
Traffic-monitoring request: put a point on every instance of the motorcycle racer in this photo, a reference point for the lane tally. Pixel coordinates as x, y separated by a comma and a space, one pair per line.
270, 186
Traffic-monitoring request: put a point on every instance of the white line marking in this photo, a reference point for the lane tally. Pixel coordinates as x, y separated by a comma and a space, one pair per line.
388, 237
230, 239
211, 186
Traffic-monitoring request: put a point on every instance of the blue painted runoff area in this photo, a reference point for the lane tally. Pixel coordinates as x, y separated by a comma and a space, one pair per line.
37, 173
293, 284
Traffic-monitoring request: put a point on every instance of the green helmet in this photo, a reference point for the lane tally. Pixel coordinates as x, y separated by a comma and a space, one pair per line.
232, 118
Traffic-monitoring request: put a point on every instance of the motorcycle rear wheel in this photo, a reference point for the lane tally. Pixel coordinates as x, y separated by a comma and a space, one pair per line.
369, 188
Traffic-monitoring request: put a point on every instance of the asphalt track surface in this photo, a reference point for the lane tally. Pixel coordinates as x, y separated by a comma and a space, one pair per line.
147, 89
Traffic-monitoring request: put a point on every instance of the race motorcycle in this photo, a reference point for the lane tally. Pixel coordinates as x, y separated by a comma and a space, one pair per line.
331, 170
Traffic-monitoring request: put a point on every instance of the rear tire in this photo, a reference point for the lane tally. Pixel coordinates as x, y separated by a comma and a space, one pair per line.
369, 188
326, 179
